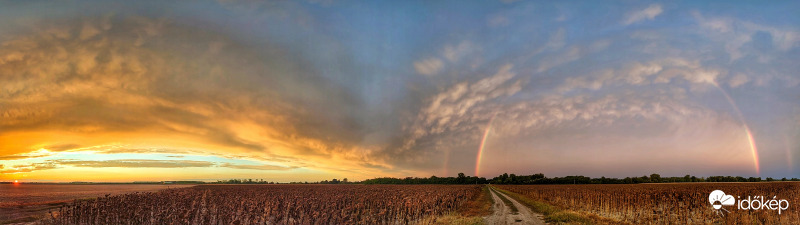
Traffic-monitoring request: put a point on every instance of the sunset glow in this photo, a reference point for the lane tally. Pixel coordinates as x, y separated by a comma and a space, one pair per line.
314, 90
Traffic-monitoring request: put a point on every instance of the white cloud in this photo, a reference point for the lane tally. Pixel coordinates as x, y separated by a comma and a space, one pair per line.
458, 107
449, 54
648, 13
573, 53
586, 110
736, 33
428, 66
637, 73
556, 42
454, 53
716, 24
738, 80
783, 39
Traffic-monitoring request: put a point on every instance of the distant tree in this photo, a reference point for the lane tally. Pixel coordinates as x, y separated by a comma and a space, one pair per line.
504, 178
461, 178
655, 178
628, 180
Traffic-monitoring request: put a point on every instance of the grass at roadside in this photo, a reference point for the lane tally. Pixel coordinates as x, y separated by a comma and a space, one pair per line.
455, 218
480, 206
472, 212
555, 215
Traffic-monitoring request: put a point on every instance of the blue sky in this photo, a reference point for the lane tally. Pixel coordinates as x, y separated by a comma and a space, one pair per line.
401, 88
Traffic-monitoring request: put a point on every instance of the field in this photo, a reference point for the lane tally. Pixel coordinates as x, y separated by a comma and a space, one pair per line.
664, 203
274, 204
27, 202
673, 203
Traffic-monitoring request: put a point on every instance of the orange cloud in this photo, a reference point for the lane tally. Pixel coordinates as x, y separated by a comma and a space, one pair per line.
101, 84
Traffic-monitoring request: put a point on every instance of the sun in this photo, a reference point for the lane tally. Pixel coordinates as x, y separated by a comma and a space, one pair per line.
16, 181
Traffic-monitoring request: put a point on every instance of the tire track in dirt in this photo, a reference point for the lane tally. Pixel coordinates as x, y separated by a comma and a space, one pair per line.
503, 215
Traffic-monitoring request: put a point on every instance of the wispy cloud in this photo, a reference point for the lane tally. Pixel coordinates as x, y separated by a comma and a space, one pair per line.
652, 72
429, 66
455, 52
26, 168
648, 13
257, 167
135, 163
27, 155
572, 53
736, 33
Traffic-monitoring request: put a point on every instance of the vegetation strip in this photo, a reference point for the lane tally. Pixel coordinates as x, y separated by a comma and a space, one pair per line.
472, 213
481, 205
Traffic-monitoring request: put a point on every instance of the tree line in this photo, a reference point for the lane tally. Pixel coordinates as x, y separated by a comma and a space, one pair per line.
537, 178
460, 179
540, 178
262, 181
653, 178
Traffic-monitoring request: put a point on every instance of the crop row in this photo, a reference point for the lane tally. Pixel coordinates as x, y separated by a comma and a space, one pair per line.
271, 204
666, 203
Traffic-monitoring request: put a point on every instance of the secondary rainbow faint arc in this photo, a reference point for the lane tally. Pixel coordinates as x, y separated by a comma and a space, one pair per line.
483, 145
751, 141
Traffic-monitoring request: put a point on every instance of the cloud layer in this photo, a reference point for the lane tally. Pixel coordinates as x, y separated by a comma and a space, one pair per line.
260, 89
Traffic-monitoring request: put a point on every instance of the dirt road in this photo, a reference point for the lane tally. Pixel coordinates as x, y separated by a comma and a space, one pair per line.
503, 214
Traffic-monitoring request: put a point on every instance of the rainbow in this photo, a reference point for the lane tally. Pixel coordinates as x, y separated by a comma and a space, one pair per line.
789, 157
483, 146
750, 139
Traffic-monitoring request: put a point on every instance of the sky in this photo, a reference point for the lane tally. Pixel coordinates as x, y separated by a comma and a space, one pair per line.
313, 90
